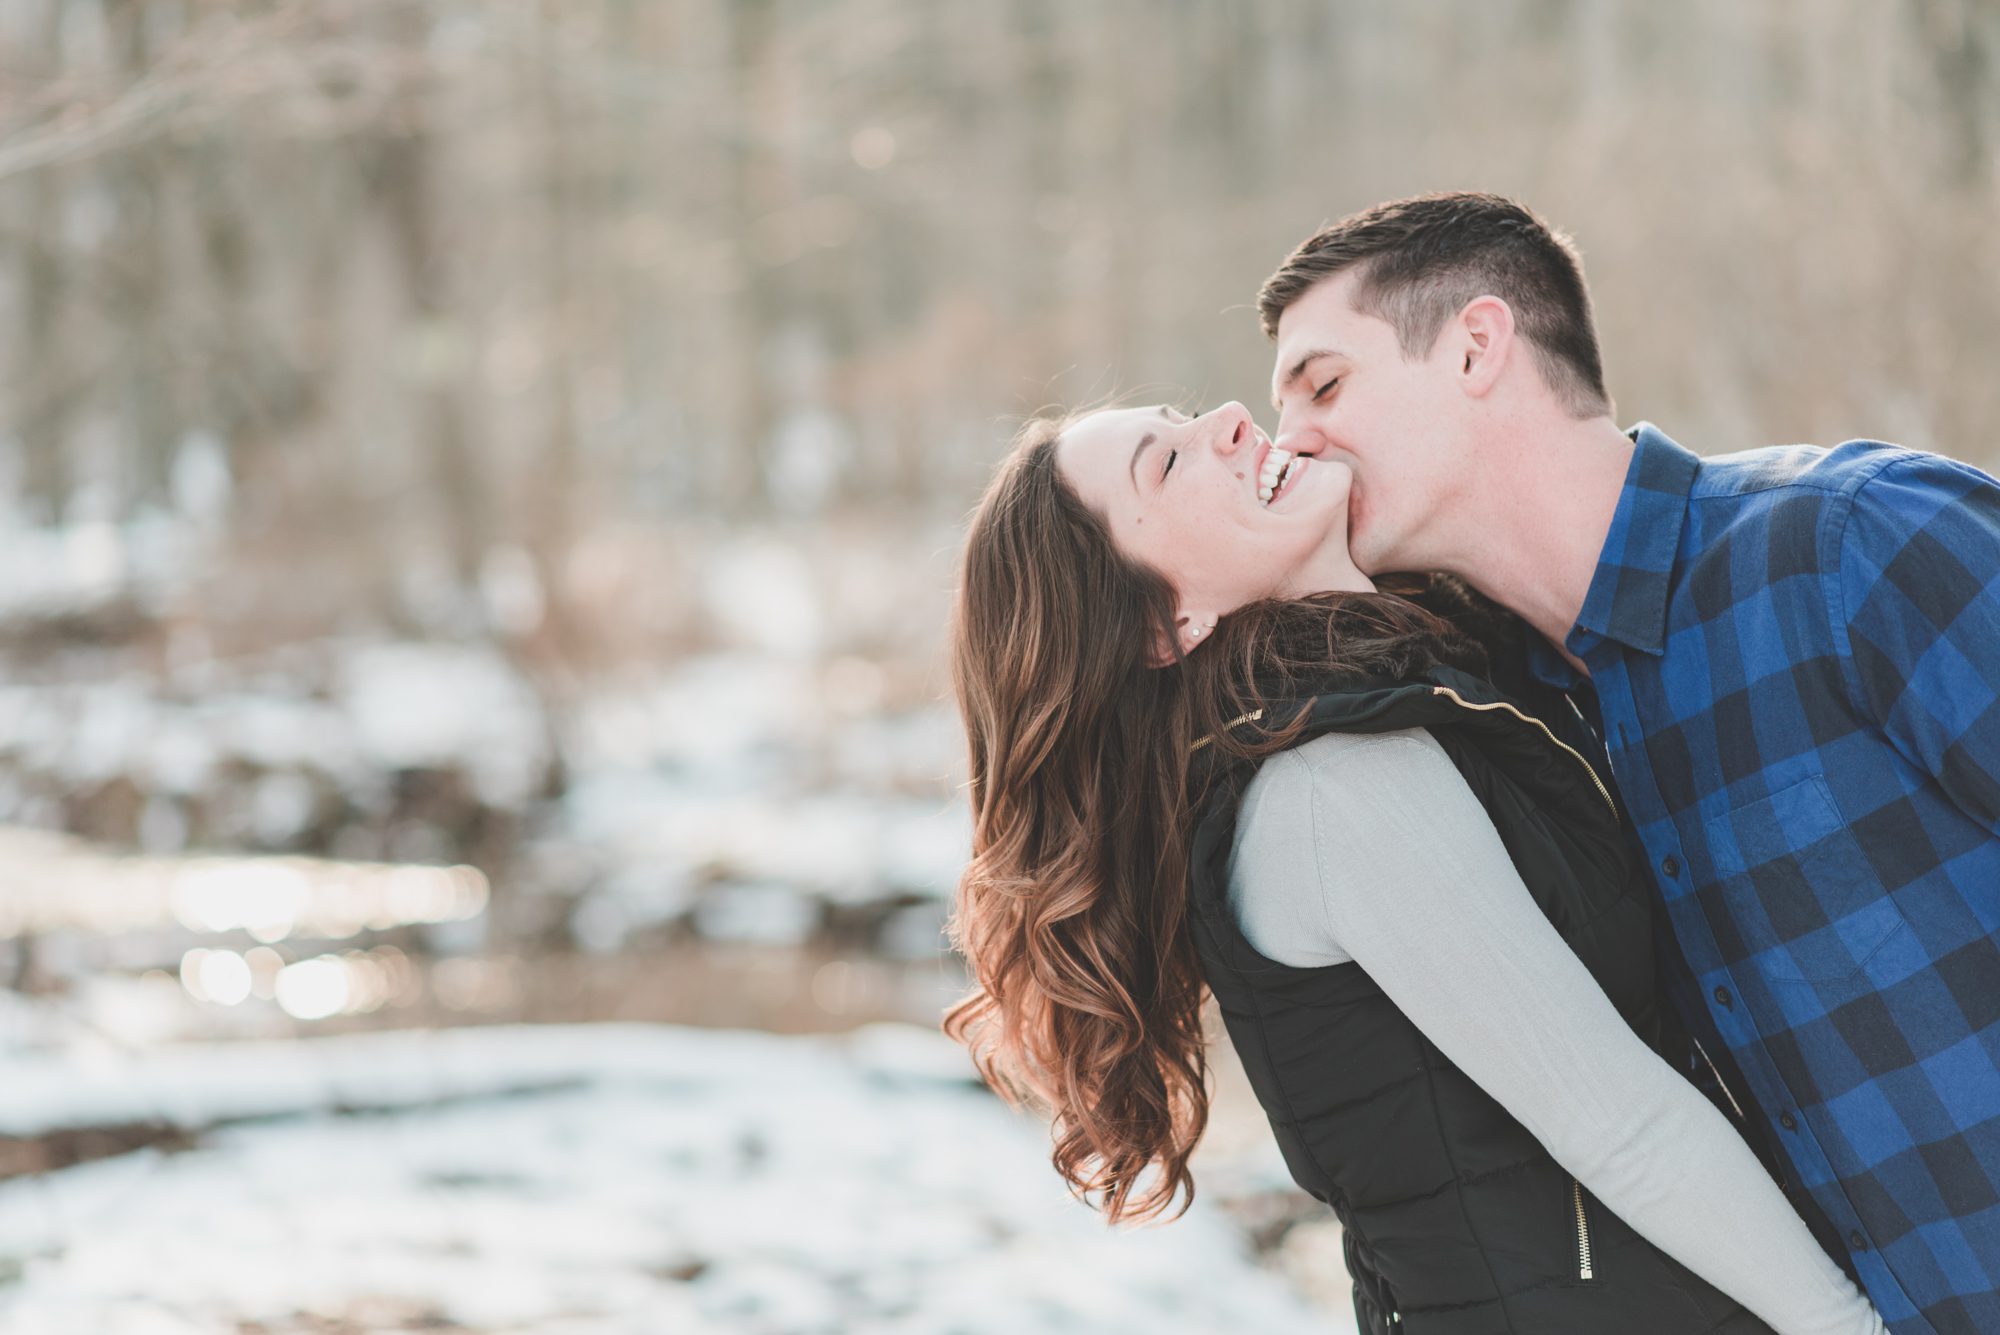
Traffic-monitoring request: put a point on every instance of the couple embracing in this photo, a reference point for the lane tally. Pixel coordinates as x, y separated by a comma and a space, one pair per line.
1593, 848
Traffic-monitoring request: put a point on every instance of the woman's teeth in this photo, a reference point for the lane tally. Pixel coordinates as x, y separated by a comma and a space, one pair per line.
1272, 473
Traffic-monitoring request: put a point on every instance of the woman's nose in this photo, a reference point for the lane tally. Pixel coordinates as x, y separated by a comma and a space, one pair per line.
1230, 427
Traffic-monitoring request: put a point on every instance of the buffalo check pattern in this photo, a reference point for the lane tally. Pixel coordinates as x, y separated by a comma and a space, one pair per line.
1795, 658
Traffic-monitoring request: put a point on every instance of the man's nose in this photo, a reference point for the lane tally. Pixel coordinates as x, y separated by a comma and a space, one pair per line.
1296, 438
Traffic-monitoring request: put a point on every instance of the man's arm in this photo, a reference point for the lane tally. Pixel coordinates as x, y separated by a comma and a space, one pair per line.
1917, 597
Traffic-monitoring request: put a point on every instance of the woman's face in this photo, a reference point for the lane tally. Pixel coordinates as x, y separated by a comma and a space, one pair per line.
1186, 496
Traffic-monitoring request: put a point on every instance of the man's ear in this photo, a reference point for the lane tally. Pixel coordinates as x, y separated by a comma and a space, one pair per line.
1190, 629
1485, 342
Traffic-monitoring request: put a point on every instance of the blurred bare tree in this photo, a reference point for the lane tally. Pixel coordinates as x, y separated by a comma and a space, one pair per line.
455, 287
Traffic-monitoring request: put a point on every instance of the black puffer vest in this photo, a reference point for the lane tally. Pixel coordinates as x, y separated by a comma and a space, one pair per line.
1457, 1221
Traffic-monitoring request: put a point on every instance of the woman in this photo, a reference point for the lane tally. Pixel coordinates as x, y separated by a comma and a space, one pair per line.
1421, 917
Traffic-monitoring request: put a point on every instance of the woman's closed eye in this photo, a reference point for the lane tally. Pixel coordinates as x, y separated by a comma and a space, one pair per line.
1321, 393
1171, 456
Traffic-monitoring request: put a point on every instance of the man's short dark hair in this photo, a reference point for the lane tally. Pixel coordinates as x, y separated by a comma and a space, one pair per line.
1421, 260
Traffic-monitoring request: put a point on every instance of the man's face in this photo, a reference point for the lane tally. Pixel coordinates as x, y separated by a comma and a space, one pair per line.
1344, 389
1181, 495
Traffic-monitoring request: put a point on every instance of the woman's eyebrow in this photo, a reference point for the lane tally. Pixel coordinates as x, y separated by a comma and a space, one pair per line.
1132, 469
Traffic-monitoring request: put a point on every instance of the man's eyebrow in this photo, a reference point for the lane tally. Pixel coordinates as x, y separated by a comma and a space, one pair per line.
1298, 369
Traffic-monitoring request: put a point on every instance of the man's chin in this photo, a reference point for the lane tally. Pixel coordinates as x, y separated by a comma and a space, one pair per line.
1365, 560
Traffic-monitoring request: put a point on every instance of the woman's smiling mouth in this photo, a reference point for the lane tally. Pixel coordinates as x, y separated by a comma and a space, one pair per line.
1280, 470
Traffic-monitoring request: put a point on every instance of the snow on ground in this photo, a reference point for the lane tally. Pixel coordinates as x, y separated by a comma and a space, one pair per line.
584, 1180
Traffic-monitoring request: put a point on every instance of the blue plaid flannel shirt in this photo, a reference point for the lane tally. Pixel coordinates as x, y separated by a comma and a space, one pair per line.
1795, 658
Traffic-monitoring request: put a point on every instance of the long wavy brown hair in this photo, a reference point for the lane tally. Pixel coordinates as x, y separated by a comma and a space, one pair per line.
1087, 993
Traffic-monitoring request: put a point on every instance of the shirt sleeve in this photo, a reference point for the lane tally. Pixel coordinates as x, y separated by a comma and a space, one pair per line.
1419, 889
1274, 891
1918, 604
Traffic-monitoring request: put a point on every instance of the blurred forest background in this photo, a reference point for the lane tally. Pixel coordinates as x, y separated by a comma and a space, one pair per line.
480, 480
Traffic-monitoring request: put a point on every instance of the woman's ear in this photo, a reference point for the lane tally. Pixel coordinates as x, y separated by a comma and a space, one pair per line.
1190, 629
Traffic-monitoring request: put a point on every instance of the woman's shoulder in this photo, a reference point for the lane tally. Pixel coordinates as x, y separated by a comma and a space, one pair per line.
1316, 811
1342, 780
1373, 756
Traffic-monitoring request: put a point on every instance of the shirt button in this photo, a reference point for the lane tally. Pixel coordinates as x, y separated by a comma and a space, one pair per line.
1856, 1241
1722, 995
1670, 866
1786, 1121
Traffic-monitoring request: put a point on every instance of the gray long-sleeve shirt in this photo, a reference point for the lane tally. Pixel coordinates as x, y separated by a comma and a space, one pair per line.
1373, 849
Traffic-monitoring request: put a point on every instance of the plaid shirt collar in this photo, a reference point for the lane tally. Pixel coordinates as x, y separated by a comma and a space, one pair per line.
1627, 602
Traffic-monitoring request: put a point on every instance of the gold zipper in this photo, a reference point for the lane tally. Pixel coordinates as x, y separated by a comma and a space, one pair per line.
1602, 791
1720, 1082
1584, 1269
1250, 717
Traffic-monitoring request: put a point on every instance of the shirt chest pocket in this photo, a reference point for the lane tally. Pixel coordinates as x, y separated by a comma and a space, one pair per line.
1796, 887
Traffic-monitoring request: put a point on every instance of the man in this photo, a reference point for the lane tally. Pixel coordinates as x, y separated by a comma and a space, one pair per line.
1792, 658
